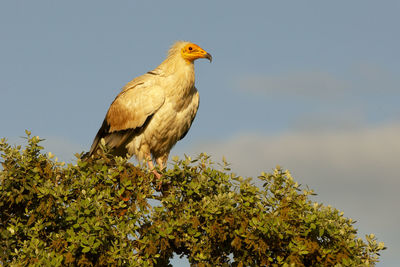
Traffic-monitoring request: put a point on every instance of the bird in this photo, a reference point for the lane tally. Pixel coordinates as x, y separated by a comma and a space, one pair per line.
155, 110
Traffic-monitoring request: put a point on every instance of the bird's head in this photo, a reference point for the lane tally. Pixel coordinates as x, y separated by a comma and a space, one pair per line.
191, 52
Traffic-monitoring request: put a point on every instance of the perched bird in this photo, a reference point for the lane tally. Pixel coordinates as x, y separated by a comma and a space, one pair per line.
154, 111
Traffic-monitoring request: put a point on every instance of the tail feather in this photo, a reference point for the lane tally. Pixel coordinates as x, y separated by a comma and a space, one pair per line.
103, 131
115, 141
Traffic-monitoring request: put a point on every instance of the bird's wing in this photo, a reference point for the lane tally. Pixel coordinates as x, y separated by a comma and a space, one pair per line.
136, 102
191, 110
129, 111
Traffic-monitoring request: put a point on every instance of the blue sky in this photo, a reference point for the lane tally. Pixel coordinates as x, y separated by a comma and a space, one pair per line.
309, 85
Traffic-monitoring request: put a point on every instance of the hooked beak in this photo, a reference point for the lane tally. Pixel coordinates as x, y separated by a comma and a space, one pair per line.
209, 57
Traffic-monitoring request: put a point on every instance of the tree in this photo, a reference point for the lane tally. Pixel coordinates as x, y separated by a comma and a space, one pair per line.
107, 211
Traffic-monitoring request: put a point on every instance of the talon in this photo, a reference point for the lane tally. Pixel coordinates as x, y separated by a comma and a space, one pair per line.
158, 176
159, 184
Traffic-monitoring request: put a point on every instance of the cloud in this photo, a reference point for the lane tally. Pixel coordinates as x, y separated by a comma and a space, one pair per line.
374, 79
355, 169
358, 147
357, 81
314, 84
61, 147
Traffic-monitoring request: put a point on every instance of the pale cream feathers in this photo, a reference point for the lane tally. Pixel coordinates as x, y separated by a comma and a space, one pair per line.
154, 111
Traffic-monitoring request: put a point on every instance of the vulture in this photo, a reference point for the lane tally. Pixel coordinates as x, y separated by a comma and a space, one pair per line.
154, 111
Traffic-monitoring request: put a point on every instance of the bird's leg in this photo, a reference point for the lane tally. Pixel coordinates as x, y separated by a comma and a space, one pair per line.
156, 174
153, 169
161, 162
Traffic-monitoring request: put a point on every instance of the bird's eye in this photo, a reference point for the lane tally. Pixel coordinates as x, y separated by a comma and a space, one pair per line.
190, 48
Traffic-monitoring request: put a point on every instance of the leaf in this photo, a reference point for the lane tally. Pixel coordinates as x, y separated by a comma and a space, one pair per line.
108, 212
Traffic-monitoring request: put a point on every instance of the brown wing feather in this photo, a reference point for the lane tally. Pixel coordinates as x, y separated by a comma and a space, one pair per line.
133, 105
128, 114
116, 140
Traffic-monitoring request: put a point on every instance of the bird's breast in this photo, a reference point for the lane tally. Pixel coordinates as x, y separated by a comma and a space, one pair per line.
171, 122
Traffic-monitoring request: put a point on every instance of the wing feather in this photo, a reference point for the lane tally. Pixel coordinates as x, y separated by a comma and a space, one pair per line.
133, 105
131, 109
191, 111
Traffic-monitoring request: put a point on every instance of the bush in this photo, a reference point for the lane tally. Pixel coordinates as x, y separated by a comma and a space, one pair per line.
107, 211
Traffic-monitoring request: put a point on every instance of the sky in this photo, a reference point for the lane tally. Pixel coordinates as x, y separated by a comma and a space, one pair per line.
312, 86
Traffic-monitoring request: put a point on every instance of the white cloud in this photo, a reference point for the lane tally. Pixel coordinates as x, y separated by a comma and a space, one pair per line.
370, 78
309, 84
354, 169
358, 81
61, 147
368, 148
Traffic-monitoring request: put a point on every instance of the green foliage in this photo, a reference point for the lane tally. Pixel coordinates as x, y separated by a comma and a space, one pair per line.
98, 212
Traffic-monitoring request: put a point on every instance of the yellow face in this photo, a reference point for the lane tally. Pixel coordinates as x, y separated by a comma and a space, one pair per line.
191, 52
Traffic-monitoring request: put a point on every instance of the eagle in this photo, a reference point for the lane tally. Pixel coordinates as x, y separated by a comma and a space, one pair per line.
154, 111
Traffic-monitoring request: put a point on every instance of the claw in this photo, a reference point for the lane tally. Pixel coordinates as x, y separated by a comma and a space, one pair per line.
158, 176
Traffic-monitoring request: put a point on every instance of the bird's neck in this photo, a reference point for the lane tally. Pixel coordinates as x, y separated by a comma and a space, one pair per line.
175, 64
178, 71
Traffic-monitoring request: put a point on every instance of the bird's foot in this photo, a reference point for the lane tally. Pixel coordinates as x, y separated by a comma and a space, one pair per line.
158, 176
156, 173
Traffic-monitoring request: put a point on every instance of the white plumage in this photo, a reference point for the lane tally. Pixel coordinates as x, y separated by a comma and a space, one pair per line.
154, 111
